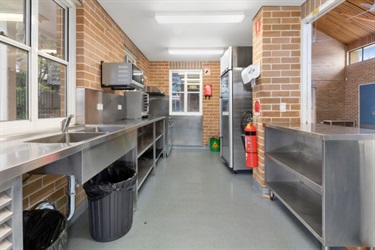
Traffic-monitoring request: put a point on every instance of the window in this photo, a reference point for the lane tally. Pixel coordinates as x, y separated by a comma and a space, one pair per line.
14, 57
51, 60
369, 52
186, 92
129, 56
39, 73
362, 54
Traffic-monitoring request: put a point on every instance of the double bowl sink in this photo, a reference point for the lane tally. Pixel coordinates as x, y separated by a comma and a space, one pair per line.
80, 134
85, 162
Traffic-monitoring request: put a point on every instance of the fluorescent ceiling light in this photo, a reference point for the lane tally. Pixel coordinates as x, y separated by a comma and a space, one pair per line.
171, 18
11, 17
195, 51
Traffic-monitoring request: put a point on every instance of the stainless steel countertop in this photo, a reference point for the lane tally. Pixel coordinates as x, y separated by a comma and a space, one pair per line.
18, 157
328, 132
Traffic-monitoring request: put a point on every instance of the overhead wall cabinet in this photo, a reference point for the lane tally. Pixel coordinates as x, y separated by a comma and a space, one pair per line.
325, 175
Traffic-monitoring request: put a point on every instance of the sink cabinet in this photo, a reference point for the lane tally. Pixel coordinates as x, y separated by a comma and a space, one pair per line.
325, 175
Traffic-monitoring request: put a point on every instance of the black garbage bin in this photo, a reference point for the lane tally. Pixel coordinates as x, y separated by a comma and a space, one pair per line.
110, 196
44, 229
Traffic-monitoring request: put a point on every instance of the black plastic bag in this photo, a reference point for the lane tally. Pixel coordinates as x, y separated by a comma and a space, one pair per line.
115, 178
44, 229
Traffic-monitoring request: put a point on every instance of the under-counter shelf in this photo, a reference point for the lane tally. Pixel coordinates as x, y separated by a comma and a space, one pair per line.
144, 143
145, 166
325, 176
305, 167
302, 202
149, 149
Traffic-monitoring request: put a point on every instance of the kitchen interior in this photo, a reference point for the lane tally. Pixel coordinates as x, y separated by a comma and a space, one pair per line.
91, 86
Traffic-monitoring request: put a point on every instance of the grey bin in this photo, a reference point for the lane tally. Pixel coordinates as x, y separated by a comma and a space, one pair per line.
110, 197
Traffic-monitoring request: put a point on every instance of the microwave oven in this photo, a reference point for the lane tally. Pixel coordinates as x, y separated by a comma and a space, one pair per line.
122, 76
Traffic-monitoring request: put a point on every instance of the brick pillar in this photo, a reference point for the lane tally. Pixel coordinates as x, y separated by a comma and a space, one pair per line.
276, 47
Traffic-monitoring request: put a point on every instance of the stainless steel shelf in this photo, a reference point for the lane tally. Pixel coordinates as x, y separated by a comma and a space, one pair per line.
145, 166
159, 152
158, 136
307, 168
144, 143
304, 203
148, 149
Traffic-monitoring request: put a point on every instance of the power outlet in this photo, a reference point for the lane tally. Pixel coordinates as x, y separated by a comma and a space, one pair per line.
119, 107
283, 107
99, 106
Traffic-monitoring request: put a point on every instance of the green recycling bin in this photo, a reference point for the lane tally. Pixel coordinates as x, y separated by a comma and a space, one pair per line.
215, 144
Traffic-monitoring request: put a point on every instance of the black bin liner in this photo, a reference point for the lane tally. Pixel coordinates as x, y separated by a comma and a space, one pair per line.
44, 229
110, 196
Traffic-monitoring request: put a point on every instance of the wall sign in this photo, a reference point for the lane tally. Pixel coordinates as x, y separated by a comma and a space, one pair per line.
257, 27
256, 107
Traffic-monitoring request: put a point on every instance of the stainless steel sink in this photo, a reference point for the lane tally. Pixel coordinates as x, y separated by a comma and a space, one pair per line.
101, 128
67, 137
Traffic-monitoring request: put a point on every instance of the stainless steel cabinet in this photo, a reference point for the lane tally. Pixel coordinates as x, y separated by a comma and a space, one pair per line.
325, 175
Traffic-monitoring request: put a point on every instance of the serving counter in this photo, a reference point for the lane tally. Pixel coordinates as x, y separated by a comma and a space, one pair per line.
325, 175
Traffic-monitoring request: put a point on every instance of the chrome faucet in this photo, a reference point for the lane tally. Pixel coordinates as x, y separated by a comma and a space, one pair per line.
65, 123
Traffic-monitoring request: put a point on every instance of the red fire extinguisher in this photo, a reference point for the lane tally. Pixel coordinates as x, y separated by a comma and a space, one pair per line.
251, 146
207, 91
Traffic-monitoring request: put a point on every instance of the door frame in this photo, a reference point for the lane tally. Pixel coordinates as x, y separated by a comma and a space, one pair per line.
307, 103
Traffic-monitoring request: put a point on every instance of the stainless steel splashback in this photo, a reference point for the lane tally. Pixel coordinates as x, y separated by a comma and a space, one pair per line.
96, 106
159, 105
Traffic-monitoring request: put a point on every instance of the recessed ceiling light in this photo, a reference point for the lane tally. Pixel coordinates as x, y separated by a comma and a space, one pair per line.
195, 51
174, 18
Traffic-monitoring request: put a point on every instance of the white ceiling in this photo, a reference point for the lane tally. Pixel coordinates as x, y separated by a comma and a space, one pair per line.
136, 19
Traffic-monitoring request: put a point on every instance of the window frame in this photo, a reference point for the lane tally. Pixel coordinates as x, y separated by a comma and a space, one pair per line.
362, 51
33, 123
185, 92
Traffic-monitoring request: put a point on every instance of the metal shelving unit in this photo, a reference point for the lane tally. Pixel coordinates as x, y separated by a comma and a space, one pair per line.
150, 146
324, 175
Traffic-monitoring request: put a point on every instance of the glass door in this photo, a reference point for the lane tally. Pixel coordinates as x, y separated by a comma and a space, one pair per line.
225, 116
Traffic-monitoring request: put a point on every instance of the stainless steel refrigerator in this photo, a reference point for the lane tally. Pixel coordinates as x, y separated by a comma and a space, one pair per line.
235, 100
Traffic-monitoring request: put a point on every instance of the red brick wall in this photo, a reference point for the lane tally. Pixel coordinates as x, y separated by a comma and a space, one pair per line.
211, 107
277, 50
159, 77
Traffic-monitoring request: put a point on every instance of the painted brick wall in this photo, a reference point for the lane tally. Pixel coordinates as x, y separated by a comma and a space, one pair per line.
328, 77
277, 50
